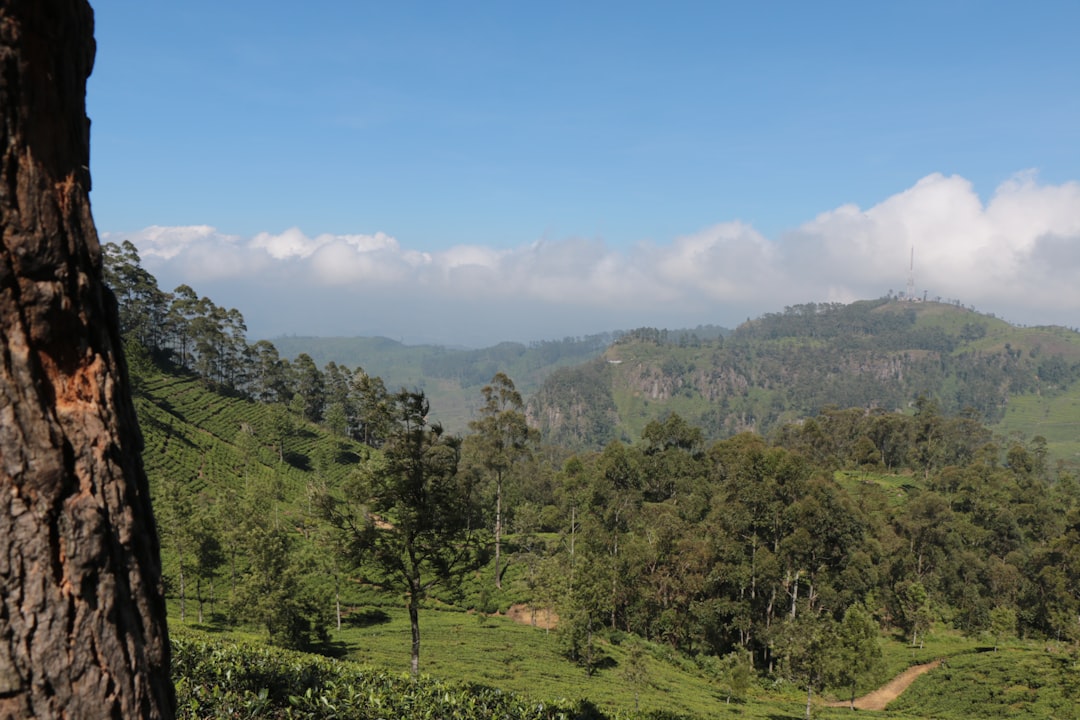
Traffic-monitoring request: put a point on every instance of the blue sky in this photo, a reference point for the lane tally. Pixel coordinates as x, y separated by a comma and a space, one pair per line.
530, 170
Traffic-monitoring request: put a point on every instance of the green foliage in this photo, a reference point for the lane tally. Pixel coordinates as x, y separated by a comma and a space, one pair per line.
857, 656
501, 441
1015, 683
576, 406
783, 366
409, 519
806, 645
1002, 623
143, 307
216, 679
735, 672
747, 555
276, 592
449, 376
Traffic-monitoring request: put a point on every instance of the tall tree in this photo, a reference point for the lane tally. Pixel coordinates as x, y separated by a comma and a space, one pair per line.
269, 376
310, 387
371, 404
409, 517
143, 307
279, 589
82, 617
858, 652
338, 398
502, 437
183, 310
808, 645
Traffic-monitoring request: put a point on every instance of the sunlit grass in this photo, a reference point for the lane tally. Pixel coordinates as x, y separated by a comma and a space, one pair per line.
895, 488
1056, 418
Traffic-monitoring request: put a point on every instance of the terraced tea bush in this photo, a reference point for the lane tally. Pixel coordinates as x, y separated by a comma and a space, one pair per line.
216, 679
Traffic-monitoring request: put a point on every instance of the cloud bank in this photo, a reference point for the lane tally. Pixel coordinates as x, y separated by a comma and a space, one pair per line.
1016, 255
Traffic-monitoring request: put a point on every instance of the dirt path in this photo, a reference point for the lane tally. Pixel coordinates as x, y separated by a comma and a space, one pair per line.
538, 617
878, 699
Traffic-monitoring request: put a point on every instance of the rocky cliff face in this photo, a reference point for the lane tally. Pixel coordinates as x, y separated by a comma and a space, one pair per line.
82, 621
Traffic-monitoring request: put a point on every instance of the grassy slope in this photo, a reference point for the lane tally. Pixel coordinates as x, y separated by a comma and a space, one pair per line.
1023, 680
1019, 681
1054, 415
193, 433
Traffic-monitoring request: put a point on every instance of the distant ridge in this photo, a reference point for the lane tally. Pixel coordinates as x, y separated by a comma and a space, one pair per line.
880, 354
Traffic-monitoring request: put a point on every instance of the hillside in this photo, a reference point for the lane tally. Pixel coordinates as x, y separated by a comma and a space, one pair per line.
451, 377
740, 564
785, 366
209, 440
653, 621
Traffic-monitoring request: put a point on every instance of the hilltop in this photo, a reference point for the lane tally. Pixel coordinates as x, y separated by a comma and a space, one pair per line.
783, 367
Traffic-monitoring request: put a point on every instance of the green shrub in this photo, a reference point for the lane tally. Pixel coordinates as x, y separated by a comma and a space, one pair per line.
216, 679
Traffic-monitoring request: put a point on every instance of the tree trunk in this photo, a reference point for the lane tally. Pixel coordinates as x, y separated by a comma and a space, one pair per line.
82, 617
183, 589
414, 624
232, 585
337, 598
498, 531
198, 596
795, 594
588, 647
573, 535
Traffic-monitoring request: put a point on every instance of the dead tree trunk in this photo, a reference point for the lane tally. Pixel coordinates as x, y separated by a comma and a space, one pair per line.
82, 619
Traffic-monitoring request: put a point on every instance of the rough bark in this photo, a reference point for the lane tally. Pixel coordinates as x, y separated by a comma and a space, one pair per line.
82, 619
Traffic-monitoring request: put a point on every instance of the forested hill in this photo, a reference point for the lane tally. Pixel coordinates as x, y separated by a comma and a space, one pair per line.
307, 506
452, 377
881, 354
877, 355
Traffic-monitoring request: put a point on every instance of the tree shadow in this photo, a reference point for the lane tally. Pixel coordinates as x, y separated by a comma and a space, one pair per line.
366, 618
347, 457
300, 461
605, 663
210, 628
337, 649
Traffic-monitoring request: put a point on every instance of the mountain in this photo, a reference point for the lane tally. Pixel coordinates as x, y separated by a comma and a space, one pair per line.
786, 366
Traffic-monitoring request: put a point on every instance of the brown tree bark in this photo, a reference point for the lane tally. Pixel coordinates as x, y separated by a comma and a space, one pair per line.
82, 618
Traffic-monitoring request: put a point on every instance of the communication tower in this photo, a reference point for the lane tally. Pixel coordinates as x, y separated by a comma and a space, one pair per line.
911, 277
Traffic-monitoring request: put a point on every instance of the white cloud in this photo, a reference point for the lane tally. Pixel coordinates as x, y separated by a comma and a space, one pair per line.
289, 244
1017, 255
724, 262
167, 242
992, 256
